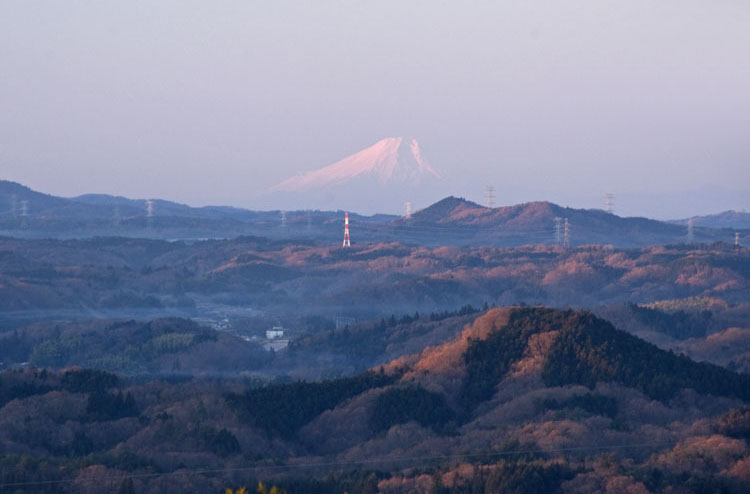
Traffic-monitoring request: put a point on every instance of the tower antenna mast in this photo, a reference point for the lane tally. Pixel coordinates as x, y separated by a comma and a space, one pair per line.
347, 242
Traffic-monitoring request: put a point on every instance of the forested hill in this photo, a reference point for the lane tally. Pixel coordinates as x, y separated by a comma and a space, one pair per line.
562, 385
570, 348
586, 350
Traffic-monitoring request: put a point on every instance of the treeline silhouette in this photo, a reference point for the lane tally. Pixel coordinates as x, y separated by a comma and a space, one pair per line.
284, 408
399, 405
464, 310
364, 342
89, 381
678, 324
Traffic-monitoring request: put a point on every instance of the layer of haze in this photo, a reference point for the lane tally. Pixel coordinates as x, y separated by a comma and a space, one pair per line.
213, 102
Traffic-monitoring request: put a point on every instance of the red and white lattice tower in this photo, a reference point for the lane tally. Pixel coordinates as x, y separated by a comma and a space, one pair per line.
347, 243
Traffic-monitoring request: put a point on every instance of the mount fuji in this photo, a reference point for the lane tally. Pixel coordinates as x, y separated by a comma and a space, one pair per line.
379, 178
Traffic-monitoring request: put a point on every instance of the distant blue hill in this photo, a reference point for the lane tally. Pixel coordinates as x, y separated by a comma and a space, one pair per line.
739, 220
450, 221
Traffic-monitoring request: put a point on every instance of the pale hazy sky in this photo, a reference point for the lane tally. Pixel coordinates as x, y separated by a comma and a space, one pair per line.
212, 102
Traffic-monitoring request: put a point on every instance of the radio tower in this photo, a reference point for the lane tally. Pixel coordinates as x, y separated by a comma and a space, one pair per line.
407, 214
558, 230
566, 234
347, 243
489, 196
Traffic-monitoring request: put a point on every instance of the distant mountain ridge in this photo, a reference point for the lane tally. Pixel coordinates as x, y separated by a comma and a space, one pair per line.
536, 222
26, 213
449, 221
727, 219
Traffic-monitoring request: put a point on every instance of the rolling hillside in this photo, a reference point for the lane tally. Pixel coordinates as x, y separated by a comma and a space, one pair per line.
528, 394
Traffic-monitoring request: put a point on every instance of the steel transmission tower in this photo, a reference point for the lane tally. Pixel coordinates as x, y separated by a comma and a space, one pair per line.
558, 230
566, 234
690, 235
609, 203
407, 213
24, 212
489, 196
149, 213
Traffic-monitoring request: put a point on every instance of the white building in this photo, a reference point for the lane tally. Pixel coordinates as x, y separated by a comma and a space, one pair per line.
275, 339
275, 333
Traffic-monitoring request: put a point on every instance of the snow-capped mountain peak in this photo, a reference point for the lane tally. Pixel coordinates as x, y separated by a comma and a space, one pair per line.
390, 160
